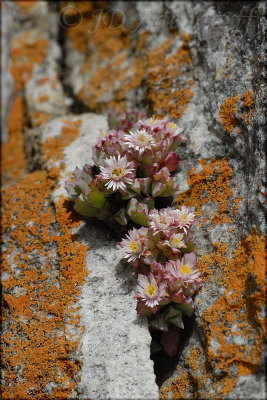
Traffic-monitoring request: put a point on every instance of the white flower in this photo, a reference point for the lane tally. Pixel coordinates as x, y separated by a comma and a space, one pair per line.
183, 270
173, 128
118, 172
184, 218
139, 140
160, 220
149, 291
176, 241
153, 123
134, 244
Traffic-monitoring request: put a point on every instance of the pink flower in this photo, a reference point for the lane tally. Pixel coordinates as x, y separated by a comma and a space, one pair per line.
139, 140
152, 123
184, 218
173, 128
118, 172
183, 270
176, 241
134, 244
161, 220
171, 248
149, 291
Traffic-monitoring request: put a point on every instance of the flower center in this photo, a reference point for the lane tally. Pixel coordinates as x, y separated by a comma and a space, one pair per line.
151, 290
185, 269
164, 221
175, 241
133, 246
143, 139
117, 172
153, 121
171, 125
183, 218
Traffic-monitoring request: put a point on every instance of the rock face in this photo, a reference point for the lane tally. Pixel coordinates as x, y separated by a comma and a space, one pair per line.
201, 64
6, 77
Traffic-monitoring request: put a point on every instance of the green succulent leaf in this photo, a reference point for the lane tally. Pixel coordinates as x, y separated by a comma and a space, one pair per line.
137, 212
95, 198
84, 209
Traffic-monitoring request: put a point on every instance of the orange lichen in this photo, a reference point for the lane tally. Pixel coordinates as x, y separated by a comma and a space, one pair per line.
169, 81
43, 98
44, 271
227, 113
25, 53
38, 118
229, 108
177, 387
53, 147
12, 153
234, 322
26, 5
210, 184
237, 201
44, 80
162, 73
248, 105
242, 277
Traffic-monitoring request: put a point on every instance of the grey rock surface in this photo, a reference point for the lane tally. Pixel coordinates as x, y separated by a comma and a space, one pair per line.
7, 11
224, 122
202, 65
48, 97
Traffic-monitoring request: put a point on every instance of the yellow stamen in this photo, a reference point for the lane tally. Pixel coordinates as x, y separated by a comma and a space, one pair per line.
184, 218
172, 125
117, 172
141, 137
151, 290
185, 269
133, 245
176, 241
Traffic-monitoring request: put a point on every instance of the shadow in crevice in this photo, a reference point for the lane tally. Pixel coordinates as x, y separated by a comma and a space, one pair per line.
164, 365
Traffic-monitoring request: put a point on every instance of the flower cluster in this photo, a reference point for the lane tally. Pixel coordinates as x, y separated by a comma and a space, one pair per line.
131, 168
124, 121
130, 180
162, 254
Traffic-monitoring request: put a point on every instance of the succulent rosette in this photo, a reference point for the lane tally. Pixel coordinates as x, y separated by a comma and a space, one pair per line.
132, 167
166, 267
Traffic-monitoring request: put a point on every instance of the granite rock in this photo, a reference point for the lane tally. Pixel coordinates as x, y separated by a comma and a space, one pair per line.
202, 65
6, 77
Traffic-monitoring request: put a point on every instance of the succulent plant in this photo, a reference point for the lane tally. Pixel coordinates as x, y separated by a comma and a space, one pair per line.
162, 255
132, 171
131, 168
